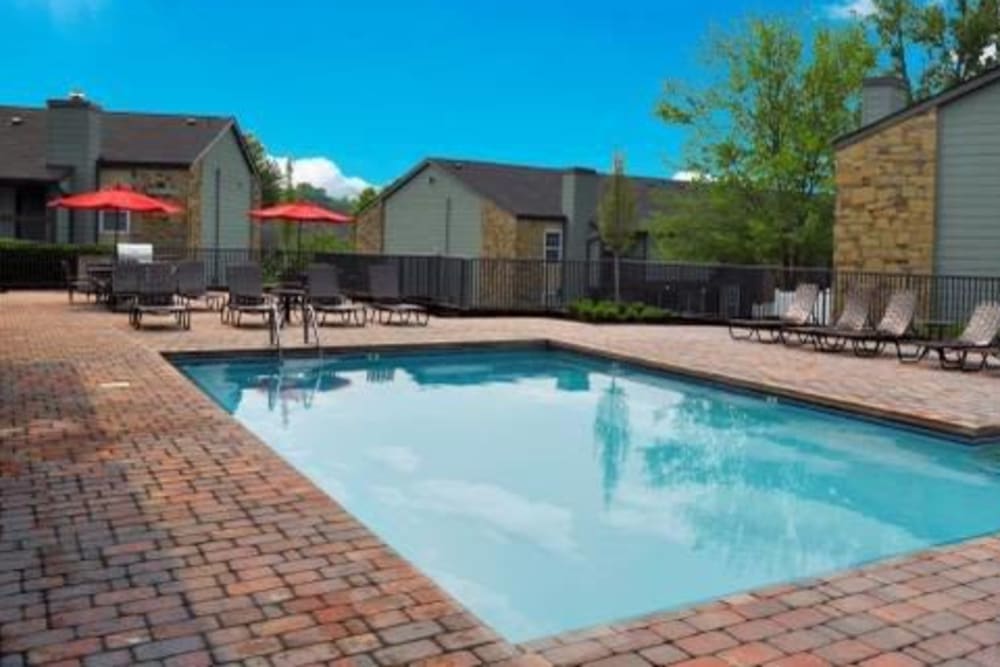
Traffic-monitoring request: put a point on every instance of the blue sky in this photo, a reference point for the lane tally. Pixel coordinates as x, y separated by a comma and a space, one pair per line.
363, 90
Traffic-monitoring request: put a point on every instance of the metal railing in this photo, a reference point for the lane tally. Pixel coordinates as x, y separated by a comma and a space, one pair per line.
483, 285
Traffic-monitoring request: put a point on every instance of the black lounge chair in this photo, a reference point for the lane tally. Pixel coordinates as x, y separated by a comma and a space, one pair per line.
895, 327
157, 295
383, 287
979, 337
324, 296
125, 279
80, 281
798, 314
853, 318
246, 294
191, 283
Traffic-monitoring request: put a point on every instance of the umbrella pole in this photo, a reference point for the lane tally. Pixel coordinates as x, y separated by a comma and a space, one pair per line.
299, 258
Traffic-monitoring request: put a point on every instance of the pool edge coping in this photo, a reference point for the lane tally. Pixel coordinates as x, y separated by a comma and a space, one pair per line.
961, 433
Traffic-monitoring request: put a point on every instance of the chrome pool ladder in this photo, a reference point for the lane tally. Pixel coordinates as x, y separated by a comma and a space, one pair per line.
309, 323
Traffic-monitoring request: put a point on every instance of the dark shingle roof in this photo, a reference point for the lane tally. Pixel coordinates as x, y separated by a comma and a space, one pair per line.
22, 145
532, 192
157, 138
127, 138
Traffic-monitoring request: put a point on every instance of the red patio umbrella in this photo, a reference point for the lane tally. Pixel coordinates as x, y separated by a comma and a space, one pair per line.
118, 197
301, 212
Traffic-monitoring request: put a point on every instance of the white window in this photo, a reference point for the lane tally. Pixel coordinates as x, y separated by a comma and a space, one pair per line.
552, 249
114, 221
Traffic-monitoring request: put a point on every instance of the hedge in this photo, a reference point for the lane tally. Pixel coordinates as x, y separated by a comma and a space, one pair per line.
29, 264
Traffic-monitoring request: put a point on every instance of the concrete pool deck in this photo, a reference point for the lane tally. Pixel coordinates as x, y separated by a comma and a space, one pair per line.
140, 524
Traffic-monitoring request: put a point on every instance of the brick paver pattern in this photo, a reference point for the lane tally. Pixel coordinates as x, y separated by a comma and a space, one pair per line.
140, 524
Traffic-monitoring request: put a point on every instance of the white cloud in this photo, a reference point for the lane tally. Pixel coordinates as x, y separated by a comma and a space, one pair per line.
689, 176
989, 53
849, 9
324, 173
494, 508
400, 459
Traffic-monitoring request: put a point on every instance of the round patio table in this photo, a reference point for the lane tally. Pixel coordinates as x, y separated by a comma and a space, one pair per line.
290, 298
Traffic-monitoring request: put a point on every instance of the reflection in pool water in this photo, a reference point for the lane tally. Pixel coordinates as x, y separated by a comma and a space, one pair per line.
549, 491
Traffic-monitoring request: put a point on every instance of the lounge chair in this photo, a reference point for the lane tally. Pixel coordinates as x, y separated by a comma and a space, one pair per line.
324, 296
383, 287
246, 294
157, 295
853, 318
191, 281
798, 314
979, 337
895, 327
125, 278
79, 281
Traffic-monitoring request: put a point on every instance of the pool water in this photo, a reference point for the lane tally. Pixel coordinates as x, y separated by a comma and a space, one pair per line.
549, 491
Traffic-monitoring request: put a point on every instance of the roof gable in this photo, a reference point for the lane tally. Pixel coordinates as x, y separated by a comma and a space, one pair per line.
525, 191
987, 78
126, 138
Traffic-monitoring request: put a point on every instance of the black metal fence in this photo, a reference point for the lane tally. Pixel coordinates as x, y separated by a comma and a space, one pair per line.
696, 291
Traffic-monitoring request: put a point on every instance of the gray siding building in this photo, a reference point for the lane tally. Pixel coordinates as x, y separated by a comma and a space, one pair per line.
469, 208
918, 187
73, 145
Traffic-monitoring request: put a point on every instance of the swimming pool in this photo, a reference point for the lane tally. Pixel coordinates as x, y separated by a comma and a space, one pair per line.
549, 491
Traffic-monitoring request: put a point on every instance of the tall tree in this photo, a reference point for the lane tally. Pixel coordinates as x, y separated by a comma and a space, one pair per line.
761, 137
268, 171
935, 45
896, 24
366, 197
616, 218
961, 38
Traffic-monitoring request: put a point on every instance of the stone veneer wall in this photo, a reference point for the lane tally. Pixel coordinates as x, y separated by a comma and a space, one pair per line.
530, 234
176, 185
886, 199
369, 229
499, 232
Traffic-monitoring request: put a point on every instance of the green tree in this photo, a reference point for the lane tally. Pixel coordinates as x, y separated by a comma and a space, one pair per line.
896, 24
367, 196
268, 171
935, 45
761, 137
961, 38
317, 195
616, 218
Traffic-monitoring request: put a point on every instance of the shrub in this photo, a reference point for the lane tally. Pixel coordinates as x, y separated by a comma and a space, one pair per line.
590, 310
34, 264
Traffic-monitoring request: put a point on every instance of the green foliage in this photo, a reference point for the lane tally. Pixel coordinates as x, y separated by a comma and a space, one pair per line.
612, 311
24, 247
268, 171
955, 39
616, 219
762, 137
367, 196
317, 195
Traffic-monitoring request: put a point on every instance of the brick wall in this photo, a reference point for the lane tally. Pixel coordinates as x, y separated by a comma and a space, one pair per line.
886, 199
369, 229
499, 232
175, 185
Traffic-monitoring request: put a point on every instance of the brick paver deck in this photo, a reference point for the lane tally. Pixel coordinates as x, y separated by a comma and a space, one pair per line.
139, 524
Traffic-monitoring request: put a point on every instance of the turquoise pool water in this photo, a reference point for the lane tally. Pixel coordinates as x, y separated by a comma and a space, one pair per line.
548, 491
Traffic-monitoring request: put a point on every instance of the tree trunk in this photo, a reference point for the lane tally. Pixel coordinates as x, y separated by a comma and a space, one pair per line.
618, 296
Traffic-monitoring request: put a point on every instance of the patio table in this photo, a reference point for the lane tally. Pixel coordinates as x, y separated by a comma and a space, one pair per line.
290, 298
